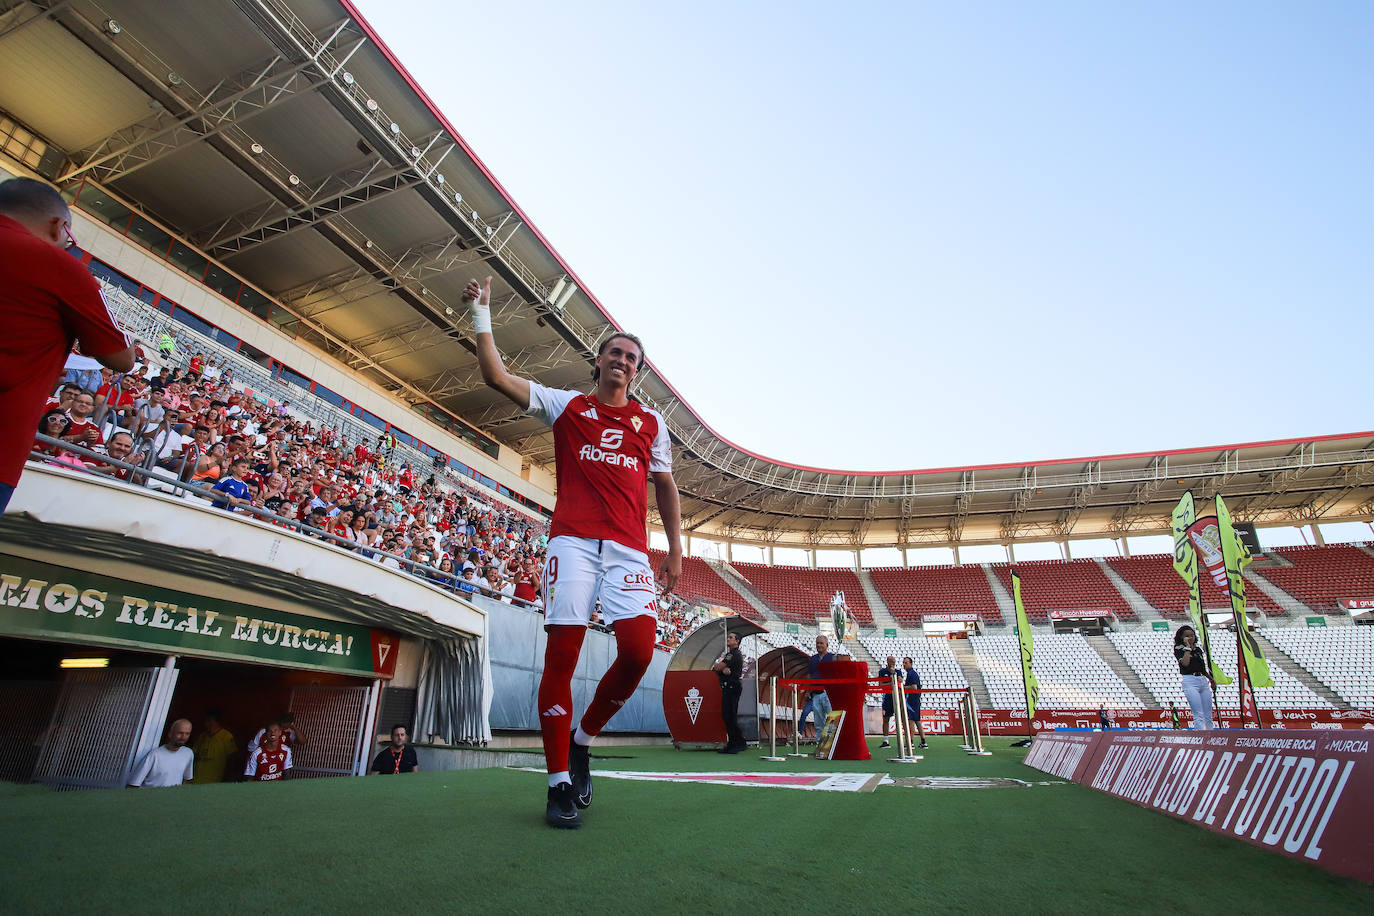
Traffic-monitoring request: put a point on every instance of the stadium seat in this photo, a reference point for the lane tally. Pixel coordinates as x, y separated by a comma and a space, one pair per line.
1154, 579
1054, 585
911, 593
800, 594
1071, 674
1320, 576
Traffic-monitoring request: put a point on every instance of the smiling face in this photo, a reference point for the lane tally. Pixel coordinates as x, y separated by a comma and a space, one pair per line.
618, 360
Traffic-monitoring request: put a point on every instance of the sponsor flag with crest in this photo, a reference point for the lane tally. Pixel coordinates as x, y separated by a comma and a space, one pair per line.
1237, 558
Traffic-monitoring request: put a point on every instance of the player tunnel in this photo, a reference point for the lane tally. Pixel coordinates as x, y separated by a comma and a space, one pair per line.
72, 715
691, 690
105, 639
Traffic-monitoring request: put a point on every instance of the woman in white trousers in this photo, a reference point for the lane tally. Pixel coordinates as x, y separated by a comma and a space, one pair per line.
1197, 680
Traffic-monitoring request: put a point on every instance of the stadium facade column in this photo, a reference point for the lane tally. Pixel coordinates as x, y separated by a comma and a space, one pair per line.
770, 554
811, 557
906, 563
1123, 547
1064, 548
1011, 552
1317, 535
857, 567
957, 561
729, 554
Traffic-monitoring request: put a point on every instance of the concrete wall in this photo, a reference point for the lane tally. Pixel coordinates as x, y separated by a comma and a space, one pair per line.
515, 641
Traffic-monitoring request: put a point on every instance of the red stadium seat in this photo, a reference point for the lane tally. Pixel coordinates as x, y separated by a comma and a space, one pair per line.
700, 583
800, 594
1153, 577
1320, 576
911, 593
1053, 585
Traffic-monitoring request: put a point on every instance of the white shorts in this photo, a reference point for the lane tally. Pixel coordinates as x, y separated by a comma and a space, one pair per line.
581, 570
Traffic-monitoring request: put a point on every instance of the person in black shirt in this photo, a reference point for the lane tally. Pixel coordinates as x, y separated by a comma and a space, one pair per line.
398, 757
729, 668
1197, 680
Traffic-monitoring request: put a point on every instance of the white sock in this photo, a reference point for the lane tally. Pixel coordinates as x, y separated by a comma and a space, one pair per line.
583, 738
556, 778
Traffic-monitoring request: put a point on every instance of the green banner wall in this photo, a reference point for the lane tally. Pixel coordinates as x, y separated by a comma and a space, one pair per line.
55, 602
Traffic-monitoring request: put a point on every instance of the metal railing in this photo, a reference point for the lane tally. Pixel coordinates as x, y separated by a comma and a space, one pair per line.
147, 477
147, 324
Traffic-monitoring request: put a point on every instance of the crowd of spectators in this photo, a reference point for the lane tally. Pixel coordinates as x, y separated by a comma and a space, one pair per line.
238, 450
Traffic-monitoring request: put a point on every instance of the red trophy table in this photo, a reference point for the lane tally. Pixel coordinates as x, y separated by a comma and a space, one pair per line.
849, 697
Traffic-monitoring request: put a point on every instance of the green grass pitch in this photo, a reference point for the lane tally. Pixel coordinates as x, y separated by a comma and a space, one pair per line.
475, 842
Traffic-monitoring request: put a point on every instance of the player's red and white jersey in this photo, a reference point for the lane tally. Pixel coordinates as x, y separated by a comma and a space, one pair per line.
265, 765
603, 456
288, 736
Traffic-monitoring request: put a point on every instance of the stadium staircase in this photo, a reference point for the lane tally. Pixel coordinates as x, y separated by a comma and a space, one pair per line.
1123, 669
1291, 606
1143, 609
859, 652
882, 617
1276, 656
999, 591
736, 581
963, 654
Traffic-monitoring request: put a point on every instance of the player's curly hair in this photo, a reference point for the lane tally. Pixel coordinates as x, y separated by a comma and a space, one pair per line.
606, 342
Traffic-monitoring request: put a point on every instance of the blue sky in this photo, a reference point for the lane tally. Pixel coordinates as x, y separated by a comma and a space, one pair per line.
917, 235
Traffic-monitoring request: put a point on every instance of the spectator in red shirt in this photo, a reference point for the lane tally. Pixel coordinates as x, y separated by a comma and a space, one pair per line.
64, 397
83, 431
120, 445
48, 300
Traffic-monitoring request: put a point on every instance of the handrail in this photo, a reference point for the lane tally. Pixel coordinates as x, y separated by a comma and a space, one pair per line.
144, 477
134, 314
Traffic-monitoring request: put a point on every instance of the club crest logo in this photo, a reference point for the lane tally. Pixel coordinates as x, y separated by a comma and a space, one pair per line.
693, 701
636, 422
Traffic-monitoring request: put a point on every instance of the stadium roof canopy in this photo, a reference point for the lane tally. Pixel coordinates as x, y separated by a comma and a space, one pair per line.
287, 143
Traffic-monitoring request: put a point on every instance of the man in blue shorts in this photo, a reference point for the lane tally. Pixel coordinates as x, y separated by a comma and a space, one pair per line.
913, 700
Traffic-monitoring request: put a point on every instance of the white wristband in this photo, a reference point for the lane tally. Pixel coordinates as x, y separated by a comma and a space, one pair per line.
481, 317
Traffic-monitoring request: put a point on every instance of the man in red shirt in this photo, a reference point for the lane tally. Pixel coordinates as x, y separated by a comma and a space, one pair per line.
526, 580
83, 431
47, 302
606, 449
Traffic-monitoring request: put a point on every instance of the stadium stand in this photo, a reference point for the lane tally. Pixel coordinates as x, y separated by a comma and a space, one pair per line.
800, 594
912, 593
1151, 656
931, 658
1054, 585
1317, 576
1070, 672
700, 583
1058, 585
777, 640
1153, 576
1342, 658
1320, 576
